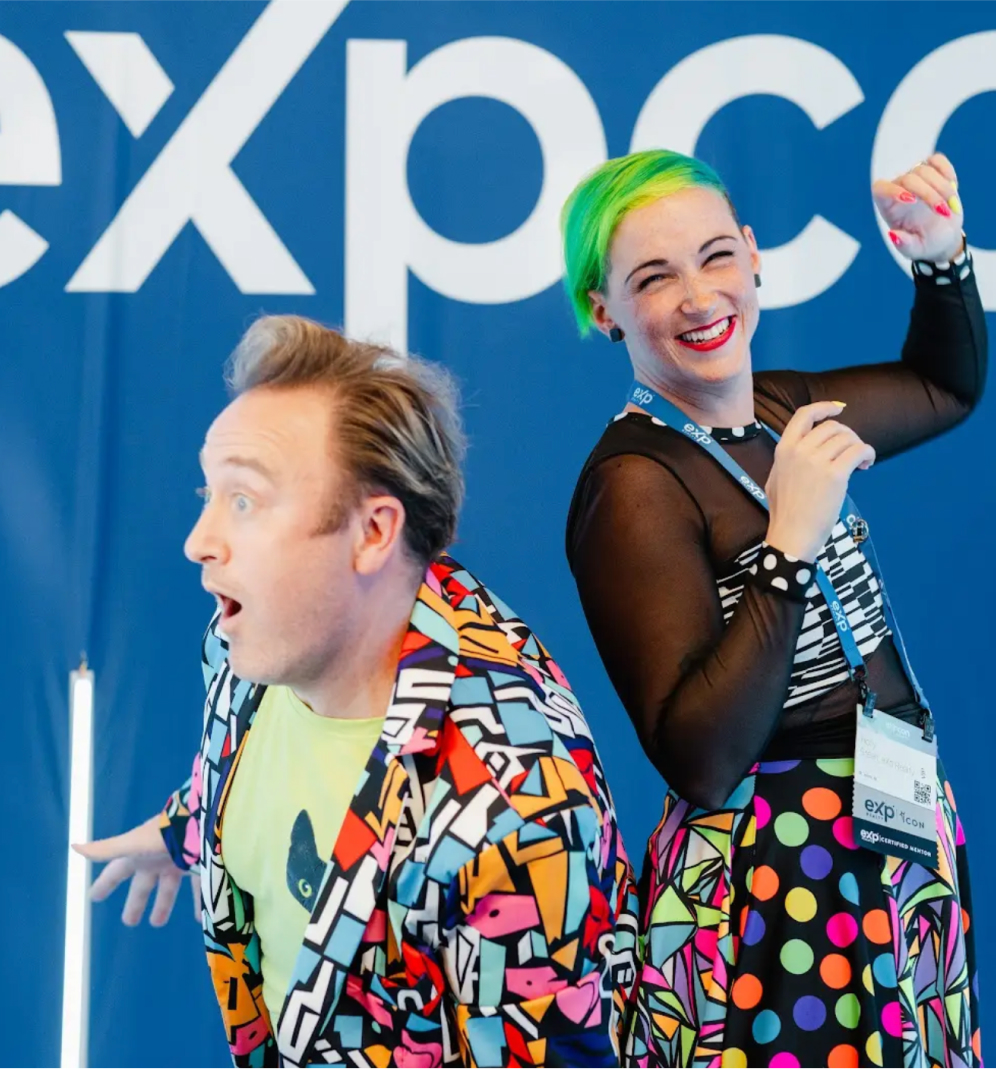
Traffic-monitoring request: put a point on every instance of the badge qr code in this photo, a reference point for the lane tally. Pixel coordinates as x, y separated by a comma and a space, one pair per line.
922, 794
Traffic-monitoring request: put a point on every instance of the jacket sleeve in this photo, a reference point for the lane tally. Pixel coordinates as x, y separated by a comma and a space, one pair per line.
547, 921
179, 820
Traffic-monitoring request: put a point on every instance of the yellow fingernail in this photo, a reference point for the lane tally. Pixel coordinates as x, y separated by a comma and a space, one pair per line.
954, 184
843, 404
955, 204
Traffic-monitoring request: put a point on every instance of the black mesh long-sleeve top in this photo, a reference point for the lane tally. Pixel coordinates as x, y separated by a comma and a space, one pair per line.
716, 660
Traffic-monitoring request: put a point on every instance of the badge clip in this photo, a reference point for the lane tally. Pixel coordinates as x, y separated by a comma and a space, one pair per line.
868, 696
927, 723
858, 528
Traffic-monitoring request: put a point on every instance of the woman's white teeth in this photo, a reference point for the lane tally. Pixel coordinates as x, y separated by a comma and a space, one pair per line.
707, 335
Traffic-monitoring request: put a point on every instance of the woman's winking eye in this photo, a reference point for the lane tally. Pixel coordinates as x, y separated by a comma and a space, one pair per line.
719, 255
644, 282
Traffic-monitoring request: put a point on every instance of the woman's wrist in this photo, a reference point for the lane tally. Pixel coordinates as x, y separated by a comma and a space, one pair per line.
783, 573
795, 546
958, 257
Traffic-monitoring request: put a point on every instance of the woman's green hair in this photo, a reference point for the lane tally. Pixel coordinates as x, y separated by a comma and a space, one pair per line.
599, 202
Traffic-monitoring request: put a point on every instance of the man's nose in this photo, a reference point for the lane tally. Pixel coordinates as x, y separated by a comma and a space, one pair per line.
205, 543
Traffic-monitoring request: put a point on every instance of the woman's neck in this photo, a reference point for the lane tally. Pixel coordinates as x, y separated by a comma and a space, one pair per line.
729, 404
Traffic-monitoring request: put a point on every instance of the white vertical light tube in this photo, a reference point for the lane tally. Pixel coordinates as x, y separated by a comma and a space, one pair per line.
76, 971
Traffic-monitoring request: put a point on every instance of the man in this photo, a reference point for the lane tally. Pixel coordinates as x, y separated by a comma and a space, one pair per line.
384, 710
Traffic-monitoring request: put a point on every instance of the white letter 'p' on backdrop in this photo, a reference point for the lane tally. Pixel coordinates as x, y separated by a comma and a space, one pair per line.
385, 235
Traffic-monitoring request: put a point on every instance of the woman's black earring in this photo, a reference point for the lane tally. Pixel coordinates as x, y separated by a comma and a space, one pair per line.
615, 334
757, 282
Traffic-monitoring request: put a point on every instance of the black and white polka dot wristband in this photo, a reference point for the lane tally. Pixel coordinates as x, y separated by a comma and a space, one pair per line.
945, 274
783, 574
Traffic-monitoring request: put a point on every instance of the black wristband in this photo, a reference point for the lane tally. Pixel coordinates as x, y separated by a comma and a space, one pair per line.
780, 573
949, 273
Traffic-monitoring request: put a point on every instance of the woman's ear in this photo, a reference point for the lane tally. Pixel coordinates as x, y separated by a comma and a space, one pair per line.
600, 312
755, 256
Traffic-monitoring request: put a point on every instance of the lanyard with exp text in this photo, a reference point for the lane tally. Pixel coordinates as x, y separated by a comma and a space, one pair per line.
672, 416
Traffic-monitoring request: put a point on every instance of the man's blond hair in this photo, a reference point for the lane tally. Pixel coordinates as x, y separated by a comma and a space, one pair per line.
397, 427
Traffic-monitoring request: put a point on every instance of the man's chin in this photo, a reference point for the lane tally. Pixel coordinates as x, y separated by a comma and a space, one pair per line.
245, 666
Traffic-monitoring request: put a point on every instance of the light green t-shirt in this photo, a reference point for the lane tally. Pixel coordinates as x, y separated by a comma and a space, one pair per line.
293, 785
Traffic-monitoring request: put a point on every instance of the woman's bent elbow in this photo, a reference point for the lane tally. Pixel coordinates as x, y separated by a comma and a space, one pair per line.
711, 796
705, 788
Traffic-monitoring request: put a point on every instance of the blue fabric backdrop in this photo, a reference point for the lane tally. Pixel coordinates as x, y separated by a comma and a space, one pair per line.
111, 351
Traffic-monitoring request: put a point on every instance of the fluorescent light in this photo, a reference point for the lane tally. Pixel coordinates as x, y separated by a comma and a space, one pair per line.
76, 972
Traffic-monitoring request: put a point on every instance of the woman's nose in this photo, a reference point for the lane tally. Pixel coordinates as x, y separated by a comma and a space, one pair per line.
699, 297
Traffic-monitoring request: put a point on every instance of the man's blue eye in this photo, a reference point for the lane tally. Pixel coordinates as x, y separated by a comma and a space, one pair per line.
203, 493
242, 502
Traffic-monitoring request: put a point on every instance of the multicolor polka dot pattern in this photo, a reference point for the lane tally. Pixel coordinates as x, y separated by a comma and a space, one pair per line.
772, 939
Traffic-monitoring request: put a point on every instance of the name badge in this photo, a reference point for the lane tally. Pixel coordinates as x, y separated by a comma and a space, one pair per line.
895, 788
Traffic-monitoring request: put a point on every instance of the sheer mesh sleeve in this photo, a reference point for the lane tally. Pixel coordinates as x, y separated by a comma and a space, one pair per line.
939, 380
704, 698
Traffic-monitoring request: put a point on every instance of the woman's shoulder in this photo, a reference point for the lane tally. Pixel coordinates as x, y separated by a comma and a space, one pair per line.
636, 458
640, 447
638, 434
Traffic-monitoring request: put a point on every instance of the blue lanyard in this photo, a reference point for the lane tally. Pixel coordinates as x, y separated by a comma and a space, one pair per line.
672, 416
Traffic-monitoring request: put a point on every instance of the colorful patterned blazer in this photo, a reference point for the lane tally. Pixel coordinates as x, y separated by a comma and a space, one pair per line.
478, 908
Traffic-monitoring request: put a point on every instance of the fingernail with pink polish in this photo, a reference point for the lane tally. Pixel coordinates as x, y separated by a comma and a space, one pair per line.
943, 209
895, 238
907, 198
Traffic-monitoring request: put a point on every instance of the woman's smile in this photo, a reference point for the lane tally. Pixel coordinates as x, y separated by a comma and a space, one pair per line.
705, 339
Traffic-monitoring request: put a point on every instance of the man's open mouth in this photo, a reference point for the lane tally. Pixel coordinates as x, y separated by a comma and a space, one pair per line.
229, 607
710, 337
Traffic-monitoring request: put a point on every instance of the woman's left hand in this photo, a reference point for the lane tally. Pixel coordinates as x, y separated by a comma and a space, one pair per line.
923, 210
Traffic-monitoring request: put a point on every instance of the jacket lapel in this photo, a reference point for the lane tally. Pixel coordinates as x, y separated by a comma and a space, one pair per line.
355, 874
232, 704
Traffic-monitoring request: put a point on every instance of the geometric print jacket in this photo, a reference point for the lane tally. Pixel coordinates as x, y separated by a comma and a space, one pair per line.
478, 908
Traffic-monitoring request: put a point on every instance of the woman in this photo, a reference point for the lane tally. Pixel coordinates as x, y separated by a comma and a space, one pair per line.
771, 936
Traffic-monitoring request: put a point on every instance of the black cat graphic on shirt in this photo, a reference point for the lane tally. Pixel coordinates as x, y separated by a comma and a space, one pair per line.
305, 867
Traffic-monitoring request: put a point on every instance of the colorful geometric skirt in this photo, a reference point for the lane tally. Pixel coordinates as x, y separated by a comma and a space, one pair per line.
771, 939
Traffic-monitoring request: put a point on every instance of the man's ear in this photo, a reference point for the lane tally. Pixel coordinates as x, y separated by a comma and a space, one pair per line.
380, 532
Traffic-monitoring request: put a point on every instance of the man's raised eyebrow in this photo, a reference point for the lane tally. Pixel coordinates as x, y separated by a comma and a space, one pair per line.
235, 461
663, 263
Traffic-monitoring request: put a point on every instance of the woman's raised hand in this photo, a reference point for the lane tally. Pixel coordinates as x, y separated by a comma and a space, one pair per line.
923, 210
808, 481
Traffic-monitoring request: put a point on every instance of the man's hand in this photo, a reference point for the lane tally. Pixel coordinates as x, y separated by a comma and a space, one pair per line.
923, 210
141, 855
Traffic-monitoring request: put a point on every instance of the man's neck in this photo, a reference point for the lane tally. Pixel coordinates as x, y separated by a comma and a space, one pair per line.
360, 683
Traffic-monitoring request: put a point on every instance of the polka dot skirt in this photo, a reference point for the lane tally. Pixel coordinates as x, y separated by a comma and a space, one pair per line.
773, 939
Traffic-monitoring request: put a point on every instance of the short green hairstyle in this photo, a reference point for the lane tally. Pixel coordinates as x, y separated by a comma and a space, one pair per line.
599, 202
